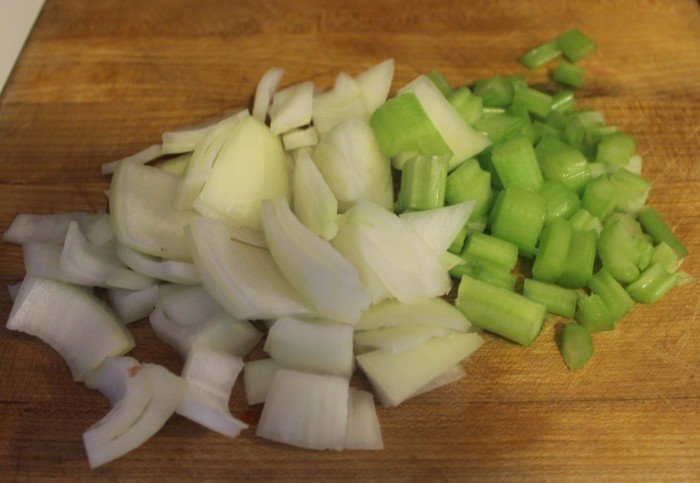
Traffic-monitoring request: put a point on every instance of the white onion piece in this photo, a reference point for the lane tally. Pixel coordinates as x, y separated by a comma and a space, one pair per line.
440, 226
461, 138
380, 244
258, 376
311, 346
43, 260
82, 329
13, 290
320, 274
142, 157
133, 305
251, 166
264, 91
43, 228
186, 139
168, 390
168, 270
314, 202
427, 313
306, 410
375, 83
249, 237
399, 376
187, 305
397, 339
343, 102
244, 280
175, 165
128, 388
454, 373
363, 432
141, 205
199, 167
86, 264
210, 375
291, 107
300, 138
353, 165
99, 231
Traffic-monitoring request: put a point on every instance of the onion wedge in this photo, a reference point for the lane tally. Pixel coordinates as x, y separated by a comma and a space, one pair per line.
363, 430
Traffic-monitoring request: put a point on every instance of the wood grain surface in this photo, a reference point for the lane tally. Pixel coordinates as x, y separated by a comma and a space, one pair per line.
99, 80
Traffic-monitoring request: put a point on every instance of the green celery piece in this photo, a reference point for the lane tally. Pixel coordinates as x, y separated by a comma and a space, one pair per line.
423, 184
644, 251
557, 119
401, 124
500, 311
492, 249
517, 216
470, 182
575, 133
516, 163
618, 253
664, 255
613, 294
520, 111
568, 73
563, 101
616, 148
632, 190
593, 314
630, 223
553, 251
652, 284
558, 300
500, 127
486, 272
458, 242
516, 81
683, 278
441, 83
582, 220
495, 91
560, 201
575, 45
654, 225
600, 197
536, 102
597, 170
486, 163
578, 267
541, 130
576, 346
589, 117
560, 162
468, 106
540, 55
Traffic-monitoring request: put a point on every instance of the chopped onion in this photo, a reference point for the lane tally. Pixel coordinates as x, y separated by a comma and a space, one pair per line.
345, 101
291, 107
363, 430
397, 339
374, 84
133, 305
142, 157
306, 410
440, 226
434, 312
176, 165
187, 305
186, 139
99, 230
43, 260
82, 329
300, 138
44, 228
168, 270
454, 373
13, 290
258, 376
314, 202
322, 347
312, 266
263, 93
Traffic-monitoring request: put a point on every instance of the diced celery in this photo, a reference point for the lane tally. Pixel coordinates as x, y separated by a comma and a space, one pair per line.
664, 255
593, 314
575, 45
563, 163
563, 101
560, 201
558, 300
467, 105
655, 225
441, 83
576, 346
500, 311
470, 182
582, 220
495, 91
616, 148
616, 299
580, 259
540, 55
458, 242
632, 190
541, 130
617, 251
600, 197
492, 249
629, 222
553, 251
516, 81
575, 133
644, 251
589, 117
536, 102
500, 127
423, 183
485, 271
569, 74
516, 163
517, 216
652, 284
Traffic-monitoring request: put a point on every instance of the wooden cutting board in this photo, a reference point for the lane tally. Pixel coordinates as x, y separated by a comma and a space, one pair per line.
101, 80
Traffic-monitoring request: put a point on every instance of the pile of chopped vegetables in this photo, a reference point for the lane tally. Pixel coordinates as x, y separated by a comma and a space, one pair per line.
287, 214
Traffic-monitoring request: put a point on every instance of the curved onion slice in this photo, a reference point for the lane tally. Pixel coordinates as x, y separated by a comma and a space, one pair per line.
168, 390
186, 139
434, 312
343, 102
291, 107
454, 373
133, 305
397, 339
141, 206
187, 305
128, 388
320, 274
243, 279
300, 138
258, 376
363, 430
168, 270
311, 346
400, 376
314, 202
374, 84
440, 226
43, 228
384, 247
264, 91
78, 326
99, 231
142, 157
210, 375
306, 410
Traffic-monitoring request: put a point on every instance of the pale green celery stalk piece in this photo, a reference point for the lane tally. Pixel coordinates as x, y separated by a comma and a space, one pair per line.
492, 249
580, 259
550, 262
613, 294
617, 251
600, 197
655, 225
540, 55
558, 300
516, 164
484, 270
593, 314
582, 220
652, 284
423, 184
517, 217
664, 255
576, 346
